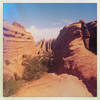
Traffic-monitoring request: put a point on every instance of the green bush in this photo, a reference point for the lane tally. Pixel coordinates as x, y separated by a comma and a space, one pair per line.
10, 87
36, 67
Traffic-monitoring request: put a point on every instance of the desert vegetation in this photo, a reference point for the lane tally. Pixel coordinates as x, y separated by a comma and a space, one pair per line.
10, 87
35, 68
68, 54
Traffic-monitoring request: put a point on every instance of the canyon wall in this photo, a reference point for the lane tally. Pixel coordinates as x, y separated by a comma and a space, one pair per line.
16, 43
43, 47
75, 54
92, 28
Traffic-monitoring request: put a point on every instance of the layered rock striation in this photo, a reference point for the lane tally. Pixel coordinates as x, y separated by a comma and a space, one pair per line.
17, 43
43, 47
74, 52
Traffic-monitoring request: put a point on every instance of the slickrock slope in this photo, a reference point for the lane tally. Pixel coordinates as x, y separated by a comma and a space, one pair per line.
73, 57
17, 43
52, 85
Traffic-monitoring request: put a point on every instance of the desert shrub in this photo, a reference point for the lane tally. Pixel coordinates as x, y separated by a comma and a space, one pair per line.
10, 87
36, 67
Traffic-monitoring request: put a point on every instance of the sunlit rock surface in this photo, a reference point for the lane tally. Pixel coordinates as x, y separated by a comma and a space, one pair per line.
16, 43
73, 55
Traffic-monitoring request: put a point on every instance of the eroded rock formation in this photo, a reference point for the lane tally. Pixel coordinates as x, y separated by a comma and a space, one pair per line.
72, 55
16, 43
92, 28
43, 47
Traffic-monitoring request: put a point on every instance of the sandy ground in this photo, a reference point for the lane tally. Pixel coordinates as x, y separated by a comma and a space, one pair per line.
52, 85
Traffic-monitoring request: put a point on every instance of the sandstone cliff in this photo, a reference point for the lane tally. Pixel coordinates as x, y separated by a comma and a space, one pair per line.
17, 43
43, 47
72, 55
92, 27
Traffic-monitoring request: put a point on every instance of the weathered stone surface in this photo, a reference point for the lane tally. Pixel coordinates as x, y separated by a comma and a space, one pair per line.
43, 47
92, 28
72, 55
17, 43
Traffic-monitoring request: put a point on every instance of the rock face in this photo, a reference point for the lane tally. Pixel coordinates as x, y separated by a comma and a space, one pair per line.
72, 55
92, 28
17, 43
52, 85
44, 47
74, 52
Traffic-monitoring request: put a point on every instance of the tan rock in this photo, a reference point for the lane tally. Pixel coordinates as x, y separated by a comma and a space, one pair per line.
17, 42
73, 57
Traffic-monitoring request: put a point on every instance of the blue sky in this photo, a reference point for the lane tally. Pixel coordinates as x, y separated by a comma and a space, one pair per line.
48, 18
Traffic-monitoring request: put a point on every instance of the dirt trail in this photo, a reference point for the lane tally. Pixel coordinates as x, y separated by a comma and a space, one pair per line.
52, 85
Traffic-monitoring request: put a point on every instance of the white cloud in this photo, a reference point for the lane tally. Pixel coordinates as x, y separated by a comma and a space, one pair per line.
66, 21
62, 22
46, 33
